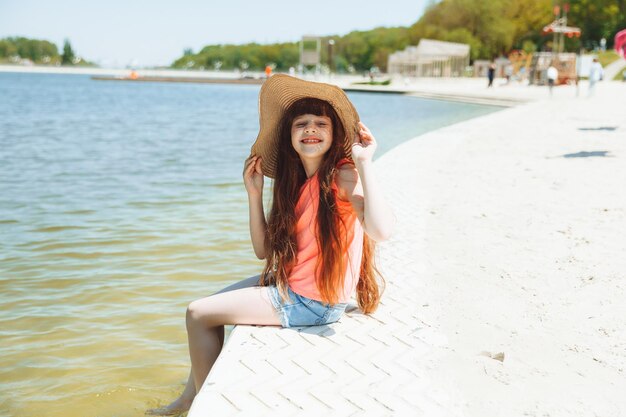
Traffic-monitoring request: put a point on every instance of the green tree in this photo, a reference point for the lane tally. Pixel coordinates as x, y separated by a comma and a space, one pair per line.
68, 54
491, 28
7, 48
356, 50
597, 19
486, 25
288, 56
528, 17
33, 49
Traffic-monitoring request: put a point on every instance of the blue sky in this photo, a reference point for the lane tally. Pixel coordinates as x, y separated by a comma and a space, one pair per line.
117, 33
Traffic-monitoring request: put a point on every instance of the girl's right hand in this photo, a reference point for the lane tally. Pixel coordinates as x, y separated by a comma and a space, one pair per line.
253, 176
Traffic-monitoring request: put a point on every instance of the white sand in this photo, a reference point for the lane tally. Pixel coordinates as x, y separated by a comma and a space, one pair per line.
522, 251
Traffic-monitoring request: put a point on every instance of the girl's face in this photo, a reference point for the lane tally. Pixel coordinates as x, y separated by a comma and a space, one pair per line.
311, 136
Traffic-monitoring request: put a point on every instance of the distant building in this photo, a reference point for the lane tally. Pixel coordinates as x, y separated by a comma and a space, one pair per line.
430, 58
310, 52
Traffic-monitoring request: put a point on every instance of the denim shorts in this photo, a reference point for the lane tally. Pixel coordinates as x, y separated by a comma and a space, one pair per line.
302, 311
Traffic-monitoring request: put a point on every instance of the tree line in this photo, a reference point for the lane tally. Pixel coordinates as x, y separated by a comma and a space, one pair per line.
491, 28
38, 51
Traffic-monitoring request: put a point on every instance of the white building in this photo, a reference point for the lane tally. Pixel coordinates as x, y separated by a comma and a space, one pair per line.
430, 58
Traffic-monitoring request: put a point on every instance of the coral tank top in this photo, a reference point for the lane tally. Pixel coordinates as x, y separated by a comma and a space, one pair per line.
302, 277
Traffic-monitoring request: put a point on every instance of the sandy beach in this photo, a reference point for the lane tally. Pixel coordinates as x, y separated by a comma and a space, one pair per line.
505, 279
517, 219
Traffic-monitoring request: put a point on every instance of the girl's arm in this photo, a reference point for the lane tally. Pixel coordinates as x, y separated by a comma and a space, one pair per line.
253, 180
362, 189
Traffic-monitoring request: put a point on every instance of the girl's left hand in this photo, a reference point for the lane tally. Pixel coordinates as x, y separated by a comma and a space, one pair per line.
364, 145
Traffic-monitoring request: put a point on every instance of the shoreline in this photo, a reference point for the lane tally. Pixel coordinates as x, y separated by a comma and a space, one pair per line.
465, 90
161, 79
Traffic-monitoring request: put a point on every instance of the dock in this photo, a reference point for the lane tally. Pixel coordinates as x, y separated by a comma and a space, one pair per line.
197, 80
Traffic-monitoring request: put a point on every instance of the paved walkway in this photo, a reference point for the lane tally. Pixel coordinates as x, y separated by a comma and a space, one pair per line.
471, 90
491, 308
614, 68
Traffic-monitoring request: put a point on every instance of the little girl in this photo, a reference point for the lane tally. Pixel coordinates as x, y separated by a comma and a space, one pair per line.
318, 242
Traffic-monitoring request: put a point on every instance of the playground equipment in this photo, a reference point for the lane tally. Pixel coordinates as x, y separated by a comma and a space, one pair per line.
559, 29
520, 61
564, 62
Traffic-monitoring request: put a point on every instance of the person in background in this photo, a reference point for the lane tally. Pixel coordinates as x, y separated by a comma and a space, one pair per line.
491, 73
522, 74
508, 72
596, 73
553, 76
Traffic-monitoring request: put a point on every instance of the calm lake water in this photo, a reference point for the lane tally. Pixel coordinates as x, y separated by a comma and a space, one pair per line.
119, 204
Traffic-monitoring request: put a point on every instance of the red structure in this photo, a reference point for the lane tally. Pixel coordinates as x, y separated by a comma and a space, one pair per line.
620, 43
559, 27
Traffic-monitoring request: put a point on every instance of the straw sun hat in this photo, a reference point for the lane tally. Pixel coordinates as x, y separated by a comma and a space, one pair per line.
277, 94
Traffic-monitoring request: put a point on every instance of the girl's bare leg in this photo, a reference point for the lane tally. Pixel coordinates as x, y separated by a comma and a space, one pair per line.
179, 405
206, 316
211, 339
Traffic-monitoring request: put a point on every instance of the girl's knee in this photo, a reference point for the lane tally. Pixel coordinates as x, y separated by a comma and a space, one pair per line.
195, 312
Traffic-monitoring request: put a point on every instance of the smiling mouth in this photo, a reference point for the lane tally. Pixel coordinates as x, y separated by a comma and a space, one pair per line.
311, 140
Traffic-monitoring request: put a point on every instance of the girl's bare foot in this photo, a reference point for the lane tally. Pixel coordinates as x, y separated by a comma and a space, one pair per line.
179, 406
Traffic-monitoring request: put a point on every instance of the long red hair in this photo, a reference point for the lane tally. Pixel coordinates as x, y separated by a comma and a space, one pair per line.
280, 240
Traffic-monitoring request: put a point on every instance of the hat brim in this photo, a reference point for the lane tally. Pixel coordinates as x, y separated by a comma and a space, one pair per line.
278, 93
